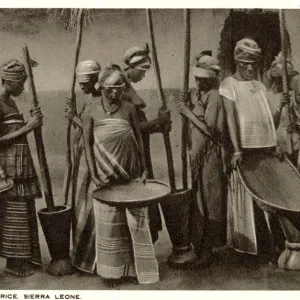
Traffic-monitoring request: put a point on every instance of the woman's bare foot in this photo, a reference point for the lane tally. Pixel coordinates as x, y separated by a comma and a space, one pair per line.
130, 279
111, 283
19, 267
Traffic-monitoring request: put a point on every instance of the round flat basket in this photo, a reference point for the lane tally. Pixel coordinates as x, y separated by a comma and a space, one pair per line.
133, 193
272, 182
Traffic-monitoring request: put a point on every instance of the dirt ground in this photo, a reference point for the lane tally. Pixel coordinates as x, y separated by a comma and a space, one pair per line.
230, 271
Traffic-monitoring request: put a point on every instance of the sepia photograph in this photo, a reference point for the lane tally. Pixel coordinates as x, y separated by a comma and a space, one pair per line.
149, 149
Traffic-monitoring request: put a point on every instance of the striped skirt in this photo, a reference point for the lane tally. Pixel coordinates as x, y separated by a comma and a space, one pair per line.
18, 229
83, 255
123, 243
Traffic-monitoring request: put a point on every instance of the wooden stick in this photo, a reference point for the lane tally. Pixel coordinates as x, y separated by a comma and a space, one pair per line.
163, 101
199, 125
184, 131
285, 83
155, 61
69, 168
39, 137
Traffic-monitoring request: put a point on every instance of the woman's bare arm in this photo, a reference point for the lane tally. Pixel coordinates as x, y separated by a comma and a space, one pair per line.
36, 120
13, 135
231, 120
77, 121
200, 124
88, 138
137, 130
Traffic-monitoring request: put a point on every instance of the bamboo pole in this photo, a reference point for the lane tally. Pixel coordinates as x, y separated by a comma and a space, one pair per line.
39, 137
285, 83
161, 96
72, 95
186, 72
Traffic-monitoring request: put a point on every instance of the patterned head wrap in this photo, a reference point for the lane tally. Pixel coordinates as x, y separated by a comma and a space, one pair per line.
86, 69
138, 57
13, 70
206, 66
112, 76
247, 50
277, 66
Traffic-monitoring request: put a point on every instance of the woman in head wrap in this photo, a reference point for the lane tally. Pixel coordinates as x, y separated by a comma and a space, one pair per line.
114, 153
252, 129
273, 76
208, 177
87, 73
19, 242
138, 63
83, 255
275, 94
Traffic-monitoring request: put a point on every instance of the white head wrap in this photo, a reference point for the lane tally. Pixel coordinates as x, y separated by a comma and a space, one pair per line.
206, 67
138, 57
247, 50
112, 76
86, 69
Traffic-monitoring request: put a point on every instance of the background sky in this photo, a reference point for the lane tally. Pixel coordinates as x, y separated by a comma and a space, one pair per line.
106, 40
112, 32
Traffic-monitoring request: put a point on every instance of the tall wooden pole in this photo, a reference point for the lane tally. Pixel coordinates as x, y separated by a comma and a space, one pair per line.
186, 72
72, 95
39, 136
286, 88
163, 101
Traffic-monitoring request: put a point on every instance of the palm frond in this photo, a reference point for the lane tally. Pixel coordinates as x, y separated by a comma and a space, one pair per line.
69, 16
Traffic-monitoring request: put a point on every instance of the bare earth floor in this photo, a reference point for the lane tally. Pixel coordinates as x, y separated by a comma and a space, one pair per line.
230, 271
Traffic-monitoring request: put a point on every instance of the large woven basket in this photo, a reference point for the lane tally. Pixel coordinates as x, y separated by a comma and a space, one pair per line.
133, 193
272, 182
